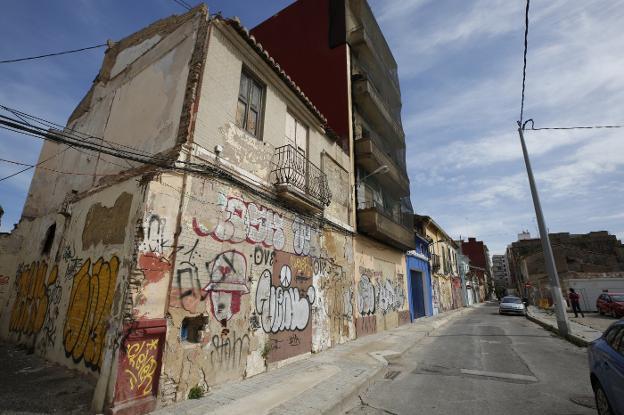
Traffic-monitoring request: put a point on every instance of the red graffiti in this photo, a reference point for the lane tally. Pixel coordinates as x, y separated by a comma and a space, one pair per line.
154, 266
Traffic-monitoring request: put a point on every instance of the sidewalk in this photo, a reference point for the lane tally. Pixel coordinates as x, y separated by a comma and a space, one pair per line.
580, 334
323, 383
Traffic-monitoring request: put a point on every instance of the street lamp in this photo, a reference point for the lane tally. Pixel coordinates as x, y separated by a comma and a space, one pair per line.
383, 169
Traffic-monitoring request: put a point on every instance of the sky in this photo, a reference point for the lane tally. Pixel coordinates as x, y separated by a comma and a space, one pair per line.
460, 69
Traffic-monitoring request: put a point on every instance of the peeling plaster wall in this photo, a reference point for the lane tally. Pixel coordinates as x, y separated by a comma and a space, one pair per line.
215, 125
135, 101
65, 297
269, 284
380, 287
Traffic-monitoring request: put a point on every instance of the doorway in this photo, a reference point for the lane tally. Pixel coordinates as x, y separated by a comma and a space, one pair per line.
418, 293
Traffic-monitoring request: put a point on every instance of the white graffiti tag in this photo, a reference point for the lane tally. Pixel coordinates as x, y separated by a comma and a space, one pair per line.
240, 221
366, 296
281, 308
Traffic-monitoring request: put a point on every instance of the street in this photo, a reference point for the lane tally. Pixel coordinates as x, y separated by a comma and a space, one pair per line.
484, 363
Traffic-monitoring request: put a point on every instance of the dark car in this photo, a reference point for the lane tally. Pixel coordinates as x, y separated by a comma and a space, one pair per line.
606, 366
611, 304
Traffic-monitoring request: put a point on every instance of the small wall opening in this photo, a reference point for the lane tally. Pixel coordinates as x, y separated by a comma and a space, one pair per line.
49, 239
192, 330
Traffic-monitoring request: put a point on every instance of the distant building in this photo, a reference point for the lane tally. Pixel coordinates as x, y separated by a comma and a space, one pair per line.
480, 265
524, 235
594, 259
445, 281
500, 274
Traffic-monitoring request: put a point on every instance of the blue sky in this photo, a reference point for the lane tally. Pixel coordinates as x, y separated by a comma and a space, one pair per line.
460, 72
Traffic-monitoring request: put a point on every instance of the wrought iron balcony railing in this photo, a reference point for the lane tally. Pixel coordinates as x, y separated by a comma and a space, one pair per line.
393, 212
293, 168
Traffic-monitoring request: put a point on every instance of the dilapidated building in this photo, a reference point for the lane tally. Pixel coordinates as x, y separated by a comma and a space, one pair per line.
578, 257
206, 230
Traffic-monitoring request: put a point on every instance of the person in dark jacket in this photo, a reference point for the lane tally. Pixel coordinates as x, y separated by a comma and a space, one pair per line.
574, 300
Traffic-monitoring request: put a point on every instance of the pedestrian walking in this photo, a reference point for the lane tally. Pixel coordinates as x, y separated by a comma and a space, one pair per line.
574, 300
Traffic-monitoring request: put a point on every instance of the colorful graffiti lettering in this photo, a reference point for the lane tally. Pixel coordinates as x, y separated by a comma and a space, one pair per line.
88, 310
31, 303
282, 307
241, 221
228, 282
142, 365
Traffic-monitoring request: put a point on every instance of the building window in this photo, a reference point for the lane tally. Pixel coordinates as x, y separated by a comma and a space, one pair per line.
296, 134
249, 107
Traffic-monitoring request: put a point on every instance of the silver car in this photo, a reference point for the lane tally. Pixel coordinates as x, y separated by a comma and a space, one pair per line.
511, 305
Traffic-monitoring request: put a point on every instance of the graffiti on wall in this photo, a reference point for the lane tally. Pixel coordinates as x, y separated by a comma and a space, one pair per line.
152, 260
31, 302
302, 236
141, 366
227, 283
88, 311
283, 303
366, 296
229, 352
243, 221
336, 300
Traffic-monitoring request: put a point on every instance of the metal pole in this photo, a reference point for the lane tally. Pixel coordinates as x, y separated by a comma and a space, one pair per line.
555, 287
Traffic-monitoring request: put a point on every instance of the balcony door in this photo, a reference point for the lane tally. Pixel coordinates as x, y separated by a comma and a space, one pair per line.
296, 134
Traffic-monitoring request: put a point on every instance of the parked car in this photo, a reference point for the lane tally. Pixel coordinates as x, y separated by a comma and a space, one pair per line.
611, 304
606, 366
511, 305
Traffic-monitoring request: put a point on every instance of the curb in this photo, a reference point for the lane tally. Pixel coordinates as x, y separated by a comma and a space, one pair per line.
576, 340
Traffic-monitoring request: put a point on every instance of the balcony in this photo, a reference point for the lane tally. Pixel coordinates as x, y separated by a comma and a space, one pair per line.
370, 155
435, 263
298, 180
375, 109
385, 225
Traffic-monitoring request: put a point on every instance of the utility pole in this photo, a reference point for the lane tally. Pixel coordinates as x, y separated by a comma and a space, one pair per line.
555, 287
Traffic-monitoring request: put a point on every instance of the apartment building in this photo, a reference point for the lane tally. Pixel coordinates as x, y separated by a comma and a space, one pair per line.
480, 266
500, 275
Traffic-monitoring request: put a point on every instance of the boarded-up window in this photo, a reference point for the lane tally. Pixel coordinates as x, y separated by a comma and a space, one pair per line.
249, 106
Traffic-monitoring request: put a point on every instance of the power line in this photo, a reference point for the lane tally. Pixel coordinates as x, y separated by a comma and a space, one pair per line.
183, 4
584, 127
526, 46
30, 166
53, 54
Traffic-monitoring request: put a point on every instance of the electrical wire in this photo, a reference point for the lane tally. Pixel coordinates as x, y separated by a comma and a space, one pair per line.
30, 166
588, 127
526, 46
183, 4
53, 54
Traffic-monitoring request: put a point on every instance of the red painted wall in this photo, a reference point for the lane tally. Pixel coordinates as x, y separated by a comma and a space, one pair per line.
298, 38
475, 251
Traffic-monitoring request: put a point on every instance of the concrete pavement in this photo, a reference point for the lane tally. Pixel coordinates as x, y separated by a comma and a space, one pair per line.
323, 383
580, 334
484, 363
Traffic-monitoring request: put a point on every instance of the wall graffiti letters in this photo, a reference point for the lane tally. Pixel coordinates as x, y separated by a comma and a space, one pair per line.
302, 236
366, 296
31, 303
229, 351
282, 307
241, 221
152, 261
263, 256
142, 365
88, 311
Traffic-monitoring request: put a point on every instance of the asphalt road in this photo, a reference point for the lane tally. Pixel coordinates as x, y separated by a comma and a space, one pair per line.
484, 363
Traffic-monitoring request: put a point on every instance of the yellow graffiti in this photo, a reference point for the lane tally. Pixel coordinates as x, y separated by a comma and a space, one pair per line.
301, 265
31, 303
88, 311
142, 365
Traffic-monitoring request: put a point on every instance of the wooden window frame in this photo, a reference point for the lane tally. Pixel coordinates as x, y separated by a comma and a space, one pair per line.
245, 99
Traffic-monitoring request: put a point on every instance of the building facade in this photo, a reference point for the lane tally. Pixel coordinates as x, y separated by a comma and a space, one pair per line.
590, 263
359, 93
446, 286
419, 288
210, 231
480, 266
500, 275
